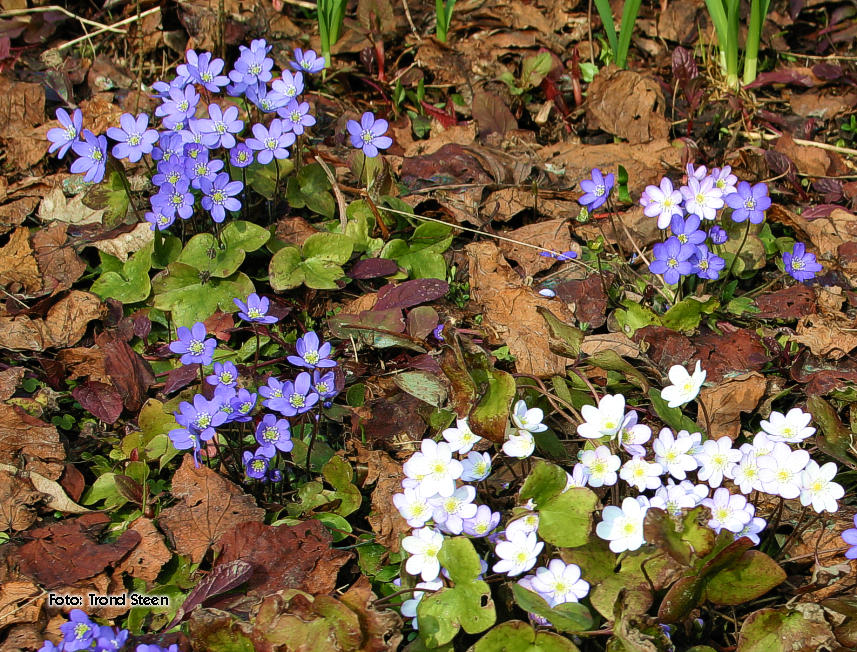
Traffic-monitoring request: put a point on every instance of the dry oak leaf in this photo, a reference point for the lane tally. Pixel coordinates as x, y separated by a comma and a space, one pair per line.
285, 557
21, 104
550, 234
56, 208
64, 325
20, 602
17, 498
18, 267
147, 559
386, 474
627, 104
510, 308
24, 436
209, 505
15, 212
66, 552
9, 379
827, 335
52, 493
728, 400
84, 362
59, 263
381, 629
618, 342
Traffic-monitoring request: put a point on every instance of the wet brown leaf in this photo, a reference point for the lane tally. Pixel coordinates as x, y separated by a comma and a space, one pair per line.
147, 559
791, 302
627, 104
17, 498
59, 263
18, 267
285, 557
728, 400
68, 551
209, 505
502, 294
386, 475
25, 437
131, 374
827, 335
550, 234
730, 354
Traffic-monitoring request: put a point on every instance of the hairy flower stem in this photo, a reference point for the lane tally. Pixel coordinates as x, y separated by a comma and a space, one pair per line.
258, 346
737, 253
704, 415
799, 529
276, 185
310, 445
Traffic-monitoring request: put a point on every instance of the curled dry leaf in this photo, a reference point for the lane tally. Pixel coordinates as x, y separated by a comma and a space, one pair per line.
18, 268
512, 310
209, 505
64, 325
20, 602
284, 557
17, 499
52, 493
728, 400
25, 437
66, 552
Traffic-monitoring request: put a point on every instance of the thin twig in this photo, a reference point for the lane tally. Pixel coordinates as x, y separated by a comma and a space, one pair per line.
110, 28
50, 8
337, 192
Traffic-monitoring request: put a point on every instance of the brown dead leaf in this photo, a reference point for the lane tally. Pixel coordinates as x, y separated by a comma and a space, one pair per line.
550, 234
386, 475
791, 302
505, 203
130, 373
18, 267
627, 104
618, 342
294, 230
59, 263
285, 557
447, 65
15, 212
821, 104
491, 114
147, 559
834, 575
664, 346
831, 336
586, 298
17, 498
65, 552
391, 421
440, 136
20, 602
126, 243
68, 319
813, 161
728, 400
9, 380
680, 21
499, 289
84, 362
100, 112
730, 354
25, 437
56, 208
361, 303
381, 629
25, 147
827, 234
209, 505
22, 104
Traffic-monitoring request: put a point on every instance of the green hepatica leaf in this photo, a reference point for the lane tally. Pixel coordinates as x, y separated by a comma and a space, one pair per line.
221, 260
466, 605
421, 257
834, 439
686, 314
489, 417
128, 284
565, 520
360, 221
423, 385
544, 482
673, 417
285, 269
568, 617
339, 475
182, 290
784, 630
244, 235
746, 579
517, 636
321, 274
110, 195
331, 247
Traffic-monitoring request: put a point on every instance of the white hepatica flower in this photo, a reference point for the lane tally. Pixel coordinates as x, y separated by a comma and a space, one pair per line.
413, 506
633, 435
577, 478
518, 553
435, 469
520, 445
449, 511
818, 487
423, 546
780, 472
792, 427
528, 419
717, 459
461, 438
674, 453
601, 465
482, 523
525, 525
746, 474
727, 511
673, 498
641, 474
560, 583
605, 420
753, 528
477, 467
623, 527
409, 607
685, 386
762, 444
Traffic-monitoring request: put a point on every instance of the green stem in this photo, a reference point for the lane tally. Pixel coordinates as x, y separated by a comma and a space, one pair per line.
758, 11
737, 253
732, 43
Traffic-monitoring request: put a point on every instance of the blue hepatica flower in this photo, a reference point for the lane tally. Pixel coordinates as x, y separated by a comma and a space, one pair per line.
368, 134
178, 106
307, 61
290, 85
240, 156
223, 124
157, 219
800, 264
273, 435
202, 168
63, 137
324, 384
274, 393
175, 198
311, 353
170, 171
255, 309
243, 405
219, 195
193, 345
296, 116
133, 139
299, 395
253, 65
564, 256
201, 417
749, 202
225, 373
718, 235
671, 259
687, 231
596, 190
169, 145
203, 69
79, 632
706, 264
93, 157
256, 466
271, 142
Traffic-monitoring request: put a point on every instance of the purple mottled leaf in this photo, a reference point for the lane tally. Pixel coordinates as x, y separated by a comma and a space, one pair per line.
181, 377
411, 293
373, 268
684, 66
820, 210
830, 188
221, 578
791, 76
422, 320
827, 71
99, 399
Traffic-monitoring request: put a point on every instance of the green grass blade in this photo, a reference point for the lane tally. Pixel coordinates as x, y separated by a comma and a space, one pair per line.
626, 28
606, 14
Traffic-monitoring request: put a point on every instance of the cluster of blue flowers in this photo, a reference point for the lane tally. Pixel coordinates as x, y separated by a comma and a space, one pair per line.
190, 151
81, 633
199, 418
689, 249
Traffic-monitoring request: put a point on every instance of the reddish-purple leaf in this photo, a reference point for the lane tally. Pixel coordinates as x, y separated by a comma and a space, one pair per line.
142, 324
373, 268
221, 578
421, 321
821, 210
684, 66
181, 377
827, 71
100, 399
411, 293
791, 76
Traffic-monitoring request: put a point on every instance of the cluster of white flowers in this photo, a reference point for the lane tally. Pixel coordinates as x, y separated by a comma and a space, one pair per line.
768, 465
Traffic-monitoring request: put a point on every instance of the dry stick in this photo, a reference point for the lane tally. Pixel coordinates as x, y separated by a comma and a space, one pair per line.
410, 20
42, 10
110, 28
801, 141
552, 397
337, 192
